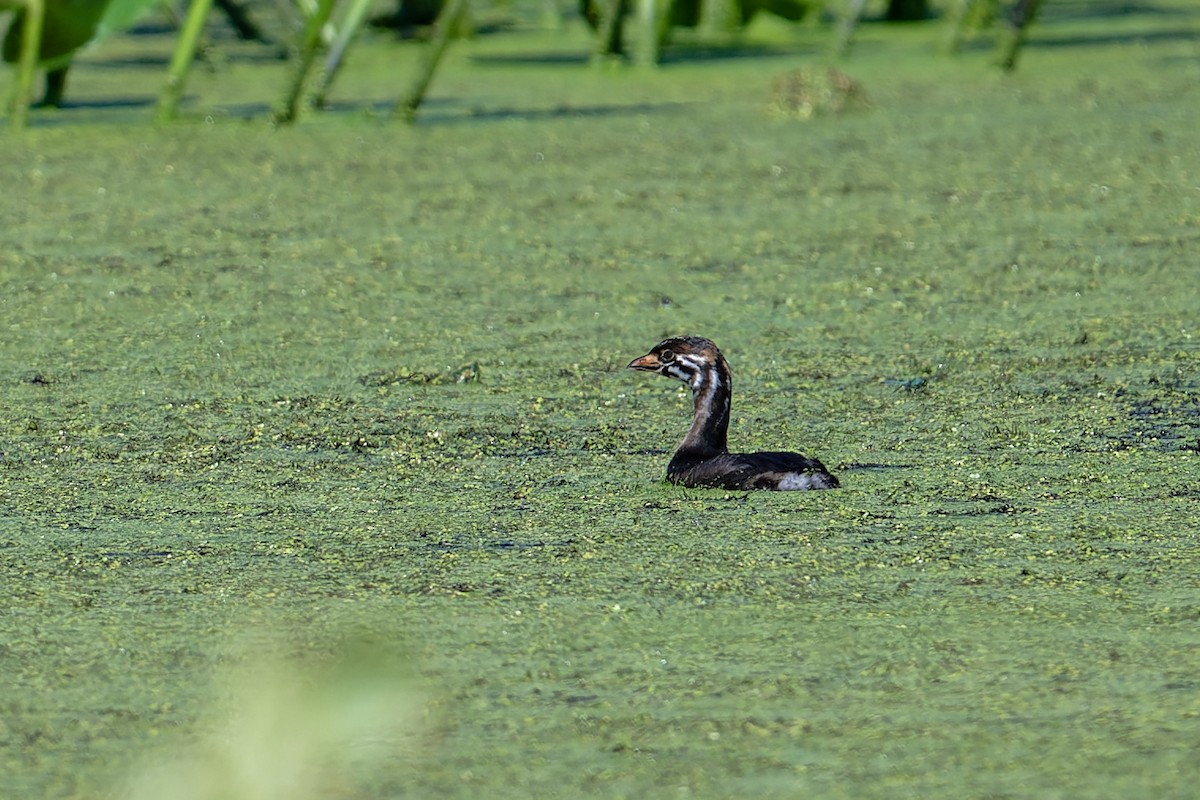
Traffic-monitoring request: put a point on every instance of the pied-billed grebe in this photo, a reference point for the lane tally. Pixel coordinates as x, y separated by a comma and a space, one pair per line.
703, 457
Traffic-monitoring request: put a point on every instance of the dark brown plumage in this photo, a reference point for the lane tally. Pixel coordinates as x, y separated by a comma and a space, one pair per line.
703, 457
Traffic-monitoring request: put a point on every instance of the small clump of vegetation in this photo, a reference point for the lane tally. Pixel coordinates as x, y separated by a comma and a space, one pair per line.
807, 92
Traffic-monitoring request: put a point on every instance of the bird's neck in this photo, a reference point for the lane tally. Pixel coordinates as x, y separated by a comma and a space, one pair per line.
712, 391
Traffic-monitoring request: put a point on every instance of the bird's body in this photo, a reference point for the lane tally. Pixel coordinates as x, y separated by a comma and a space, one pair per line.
703, 458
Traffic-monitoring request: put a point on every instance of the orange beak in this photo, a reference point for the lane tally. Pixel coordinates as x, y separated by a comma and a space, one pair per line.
647, 363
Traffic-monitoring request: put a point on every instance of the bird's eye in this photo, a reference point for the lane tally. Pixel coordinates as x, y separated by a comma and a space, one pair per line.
666, 356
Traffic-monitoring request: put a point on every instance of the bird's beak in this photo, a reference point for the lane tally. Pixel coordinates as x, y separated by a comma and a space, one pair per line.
647, 363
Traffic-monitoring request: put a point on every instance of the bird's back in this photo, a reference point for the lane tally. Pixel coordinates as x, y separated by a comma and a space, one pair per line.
746, 471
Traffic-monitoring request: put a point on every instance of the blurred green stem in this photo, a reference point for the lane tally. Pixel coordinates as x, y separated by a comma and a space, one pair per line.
608, 31
337, 51
653, 19
1013, 36
447, 23
847, 25
181, 61
31, 42
290, 107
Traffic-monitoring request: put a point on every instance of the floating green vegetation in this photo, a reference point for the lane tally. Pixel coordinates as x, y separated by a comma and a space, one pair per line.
269, 396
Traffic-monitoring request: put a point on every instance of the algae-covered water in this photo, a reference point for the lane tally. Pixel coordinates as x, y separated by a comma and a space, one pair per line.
321, 474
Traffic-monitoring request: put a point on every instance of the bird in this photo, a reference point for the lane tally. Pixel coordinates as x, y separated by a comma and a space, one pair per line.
703, 458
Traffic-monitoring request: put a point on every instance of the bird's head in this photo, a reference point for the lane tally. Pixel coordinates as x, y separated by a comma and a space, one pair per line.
685, 358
